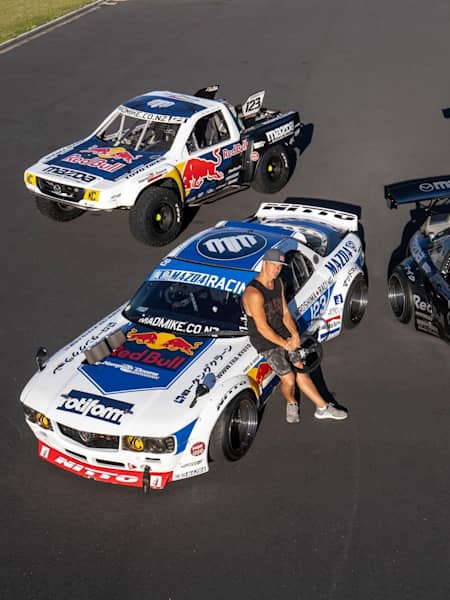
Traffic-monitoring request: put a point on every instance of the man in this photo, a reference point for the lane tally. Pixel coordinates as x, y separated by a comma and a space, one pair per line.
274, 334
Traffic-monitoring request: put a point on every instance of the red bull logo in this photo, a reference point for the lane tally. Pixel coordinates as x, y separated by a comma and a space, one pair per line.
163, 341
258, 374
196, 170
116, 152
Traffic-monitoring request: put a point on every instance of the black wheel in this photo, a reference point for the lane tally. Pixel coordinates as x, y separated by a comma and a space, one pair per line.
235, 429
274, 169
57, 211
157, 216
355, 302
400, 296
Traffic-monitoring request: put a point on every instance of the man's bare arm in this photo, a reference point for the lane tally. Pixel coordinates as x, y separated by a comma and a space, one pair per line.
253, 302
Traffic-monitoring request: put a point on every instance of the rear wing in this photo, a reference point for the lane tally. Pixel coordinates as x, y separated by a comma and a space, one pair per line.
417, 190
344, 221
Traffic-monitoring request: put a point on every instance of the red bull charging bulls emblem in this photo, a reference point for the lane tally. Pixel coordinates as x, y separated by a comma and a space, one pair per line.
163, 341
197, 170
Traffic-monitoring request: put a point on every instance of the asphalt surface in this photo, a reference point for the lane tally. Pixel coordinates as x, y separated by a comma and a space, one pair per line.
318, 510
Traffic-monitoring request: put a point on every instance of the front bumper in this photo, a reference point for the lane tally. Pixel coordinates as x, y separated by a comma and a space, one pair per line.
134, 478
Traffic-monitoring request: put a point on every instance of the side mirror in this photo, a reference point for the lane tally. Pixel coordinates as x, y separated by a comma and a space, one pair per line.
41, 357
203, 388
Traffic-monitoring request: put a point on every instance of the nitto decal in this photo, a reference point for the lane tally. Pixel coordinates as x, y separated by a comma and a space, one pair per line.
196, 170
198, 448
163, 341
96, 407
70, 173
231, 246
435, 185
205, 279
98, 474
341, 258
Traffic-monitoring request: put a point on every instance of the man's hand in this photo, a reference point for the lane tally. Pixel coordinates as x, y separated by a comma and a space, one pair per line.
292, 343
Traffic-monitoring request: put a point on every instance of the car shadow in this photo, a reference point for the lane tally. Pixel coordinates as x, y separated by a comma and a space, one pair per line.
354, 209
305, 137
417, 217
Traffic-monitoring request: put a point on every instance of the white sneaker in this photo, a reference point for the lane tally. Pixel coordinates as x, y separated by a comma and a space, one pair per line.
292, 414
331, 412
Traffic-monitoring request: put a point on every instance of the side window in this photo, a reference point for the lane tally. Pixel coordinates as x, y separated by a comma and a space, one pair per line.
295, 273
208, 131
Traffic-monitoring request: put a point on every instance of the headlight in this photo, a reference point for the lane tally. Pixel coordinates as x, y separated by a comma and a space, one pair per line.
149, 444
37, 417
29, 178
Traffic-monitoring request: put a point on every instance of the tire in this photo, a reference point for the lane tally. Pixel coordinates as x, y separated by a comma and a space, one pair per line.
235, 430
400, 296
274, 169
157, 216
57, 211
355, 302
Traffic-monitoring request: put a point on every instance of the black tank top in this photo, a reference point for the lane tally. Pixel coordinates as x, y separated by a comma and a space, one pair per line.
273, 307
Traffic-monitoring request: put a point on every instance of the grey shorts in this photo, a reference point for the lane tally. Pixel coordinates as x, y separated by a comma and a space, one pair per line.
280, 360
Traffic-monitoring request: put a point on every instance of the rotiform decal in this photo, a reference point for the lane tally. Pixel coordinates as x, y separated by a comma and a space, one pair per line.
231, 246
96, 407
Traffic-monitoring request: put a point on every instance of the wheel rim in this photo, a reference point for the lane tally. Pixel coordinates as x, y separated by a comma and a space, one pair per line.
163, 218
396, 295
274, 169
242, 427
358, 302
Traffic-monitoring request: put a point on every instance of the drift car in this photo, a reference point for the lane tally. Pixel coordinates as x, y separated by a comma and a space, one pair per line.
419, 287
161, 151
169, 382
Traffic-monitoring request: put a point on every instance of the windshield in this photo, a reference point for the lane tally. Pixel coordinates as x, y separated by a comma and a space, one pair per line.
186, 308
139, 134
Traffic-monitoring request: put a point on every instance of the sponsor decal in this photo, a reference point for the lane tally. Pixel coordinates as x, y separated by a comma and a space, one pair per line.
280, 132
205, 279
338, 299
115, 152
231, 246
409, 273
254, 156
430, 186
208, 368
90, 341
163, 341
131, 369
71, 173
427, 327
421, 306
181, 326
146, 116
104, 474
259, 373
97, 407
98, 163
159, 103
236, 149
341, 257
233, 360
191, 464
198, 448
349, 277
191, 473
197, 170
416, 251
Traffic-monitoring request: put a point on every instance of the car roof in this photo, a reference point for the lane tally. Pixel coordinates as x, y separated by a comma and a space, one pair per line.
232, 245
169, 103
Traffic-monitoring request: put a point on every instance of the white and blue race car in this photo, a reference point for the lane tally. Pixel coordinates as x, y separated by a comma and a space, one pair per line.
169, 381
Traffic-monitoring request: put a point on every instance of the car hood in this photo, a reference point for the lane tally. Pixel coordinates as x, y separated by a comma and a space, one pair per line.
146, 385
97, 159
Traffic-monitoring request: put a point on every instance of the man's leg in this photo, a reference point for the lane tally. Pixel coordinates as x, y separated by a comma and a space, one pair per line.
323, 409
